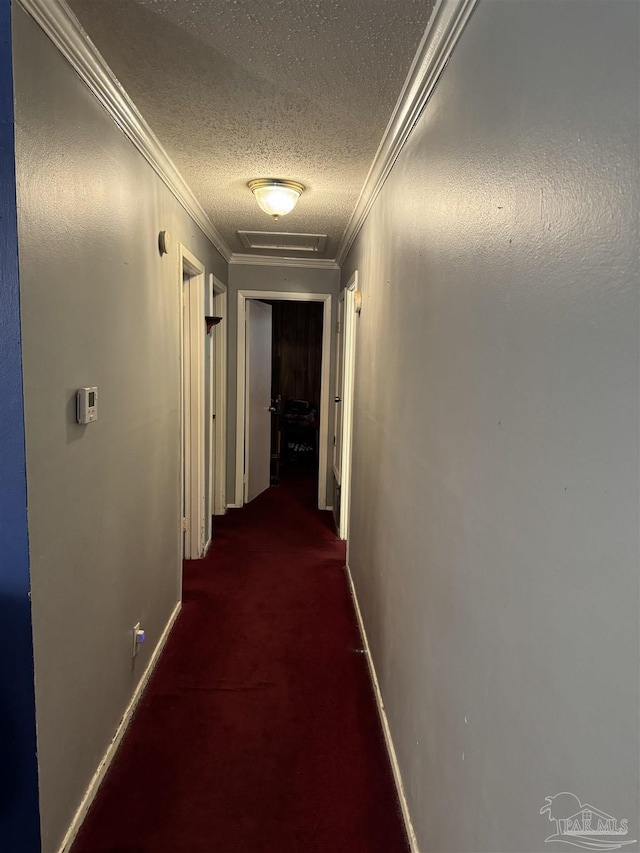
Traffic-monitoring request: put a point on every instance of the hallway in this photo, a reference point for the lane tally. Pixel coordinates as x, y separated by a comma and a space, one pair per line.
457, 185
258, 731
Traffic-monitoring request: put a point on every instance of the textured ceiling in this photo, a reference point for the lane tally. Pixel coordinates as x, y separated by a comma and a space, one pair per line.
242, 89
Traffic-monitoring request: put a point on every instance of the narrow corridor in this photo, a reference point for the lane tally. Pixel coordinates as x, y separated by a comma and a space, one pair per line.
258, 731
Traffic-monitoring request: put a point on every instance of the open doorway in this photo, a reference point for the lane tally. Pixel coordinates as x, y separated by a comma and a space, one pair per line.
291, 393
218, 399
192, 300
296, 377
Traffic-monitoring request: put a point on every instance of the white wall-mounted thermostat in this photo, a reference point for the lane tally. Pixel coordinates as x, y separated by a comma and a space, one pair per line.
87, 405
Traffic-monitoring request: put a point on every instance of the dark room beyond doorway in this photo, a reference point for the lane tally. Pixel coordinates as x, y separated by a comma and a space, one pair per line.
296, 381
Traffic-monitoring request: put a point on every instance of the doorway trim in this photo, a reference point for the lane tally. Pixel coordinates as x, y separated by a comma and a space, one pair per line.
191, 280
349, 332
218, 500
323, 437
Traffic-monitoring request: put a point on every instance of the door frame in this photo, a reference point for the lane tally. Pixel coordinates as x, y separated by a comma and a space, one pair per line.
191, 276
323, 437
218, 499
349, 317
337, 411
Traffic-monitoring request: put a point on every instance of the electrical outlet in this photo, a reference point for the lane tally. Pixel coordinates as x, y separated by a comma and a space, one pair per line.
138, 638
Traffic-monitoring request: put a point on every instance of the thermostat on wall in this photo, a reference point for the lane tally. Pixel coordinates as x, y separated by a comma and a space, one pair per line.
87, 405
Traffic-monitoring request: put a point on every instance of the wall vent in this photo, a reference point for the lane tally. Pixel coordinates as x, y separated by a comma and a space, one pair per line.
282, 241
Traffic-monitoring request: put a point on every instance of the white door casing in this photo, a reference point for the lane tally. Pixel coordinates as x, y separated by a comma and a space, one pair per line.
243, 297
345, 407
337, 429
258, 399
219, 478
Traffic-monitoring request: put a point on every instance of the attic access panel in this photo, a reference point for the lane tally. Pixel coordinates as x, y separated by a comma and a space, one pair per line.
283, 241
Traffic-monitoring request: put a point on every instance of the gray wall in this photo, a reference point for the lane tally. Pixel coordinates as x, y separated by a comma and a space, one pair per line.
287, 279
99, 306
495, 495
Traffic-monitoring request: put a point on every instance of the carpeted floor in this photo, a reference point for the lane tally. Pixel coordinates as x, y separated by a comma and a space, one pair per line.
258, 732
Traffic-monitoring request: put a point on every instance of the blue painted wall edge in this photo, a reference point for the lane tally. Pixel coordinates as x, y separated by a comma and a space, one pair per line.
19, 813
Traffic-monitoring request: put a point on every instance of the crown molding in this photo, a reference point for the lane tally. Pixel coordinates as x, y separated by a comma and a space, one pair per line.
274, 261
440, 38
65, 31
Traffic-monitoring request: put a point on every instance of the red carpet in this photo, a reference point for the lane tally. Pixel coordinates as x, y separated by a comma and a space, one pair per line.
258, 732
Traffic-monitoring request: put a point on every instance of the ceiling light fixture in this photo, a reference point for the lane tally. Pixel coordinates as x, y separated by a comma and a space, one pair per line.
276, 197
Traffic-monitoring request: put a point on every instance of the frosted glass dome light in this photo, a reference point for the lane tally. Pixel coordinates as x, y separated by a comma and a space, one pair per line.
276, 198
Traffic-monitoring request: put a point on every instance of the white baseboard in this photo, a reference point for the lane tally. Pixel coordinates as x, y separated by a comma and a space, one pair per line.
413, 841
235, 506
109, 755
